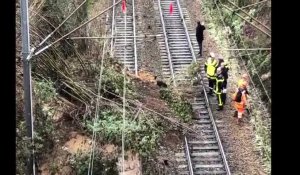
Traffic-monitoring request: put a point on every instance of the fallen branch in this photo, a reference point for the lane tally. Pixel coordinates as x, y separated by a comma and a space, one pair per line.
137, 103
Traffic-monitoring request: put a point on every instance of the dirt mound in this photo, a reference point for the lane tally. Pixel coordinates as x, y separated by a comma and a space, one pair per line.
143, 75
109, 149
146, 76
78, 143
131, 164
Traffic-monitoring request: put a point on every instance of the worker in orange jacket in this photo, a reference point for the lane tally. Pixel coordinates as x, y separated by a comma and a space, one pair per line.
240, 100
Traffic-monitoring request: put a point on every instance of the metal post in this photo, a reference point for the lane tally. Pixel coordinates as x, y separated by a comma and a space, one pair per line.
27, 81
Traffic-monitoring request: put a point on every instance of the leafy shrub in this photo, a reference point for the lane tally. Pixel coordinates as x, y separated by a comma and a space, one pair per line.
141, 135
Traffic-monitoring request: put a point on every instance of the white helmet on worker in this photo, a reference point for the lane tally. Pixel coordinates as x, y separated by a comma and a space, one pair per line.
212, 54
219, 70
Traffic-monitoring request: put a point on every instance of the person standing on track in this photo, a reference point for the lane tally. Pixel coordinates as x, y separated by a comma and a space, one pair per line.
224, 68
219, 89
210, 69
240, 97
240, 100
199, 35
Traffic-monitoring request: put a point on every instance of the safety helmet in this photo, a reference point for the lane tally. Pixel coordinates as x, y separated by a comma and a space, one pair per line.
219, 70
212, 54
242, 84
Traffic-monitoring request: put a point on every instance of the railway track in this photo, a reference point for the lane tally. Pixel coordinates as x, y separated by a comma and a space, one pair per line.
201, 154
123, 32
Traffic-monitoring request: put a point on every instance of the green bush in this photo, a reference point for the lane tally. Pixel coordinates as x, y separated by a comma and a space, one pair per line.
45, 90
113, 81
141, 136
178, 104
81, 162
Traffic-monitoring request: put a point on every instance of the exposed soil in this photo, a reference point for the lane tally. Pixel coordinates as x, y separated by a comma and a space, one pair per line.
68, 143
73, 143
149, 91
109, 149
238, 141
132, 164
78, 143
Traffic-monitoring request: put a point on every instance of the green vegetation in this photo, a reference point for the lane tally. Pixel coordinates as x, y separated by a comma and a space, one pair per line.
178, 104
141, 134
80, 162
44, 134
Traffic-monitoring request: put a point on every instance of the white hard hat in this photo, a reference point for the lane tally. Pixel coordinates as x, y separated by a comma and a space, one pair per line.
219, 70
212, 54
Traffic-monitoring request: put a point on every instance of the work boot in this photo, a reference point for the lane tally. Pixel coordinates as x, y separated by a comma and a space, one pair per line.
235, 114
220, 108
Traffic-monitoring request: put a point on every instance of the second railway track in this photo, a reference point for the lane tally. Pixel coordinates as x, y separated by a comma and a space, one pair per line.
123, 32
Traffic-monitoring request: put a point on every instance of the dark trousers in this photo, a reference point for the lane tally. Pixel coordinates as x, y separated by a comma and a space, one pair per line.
225, 83
200, 46
211, 84
223, 97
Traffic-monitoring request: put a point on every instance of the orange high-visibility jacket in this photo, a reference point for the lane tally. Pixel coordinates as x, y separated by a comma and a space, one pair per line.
240, 106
